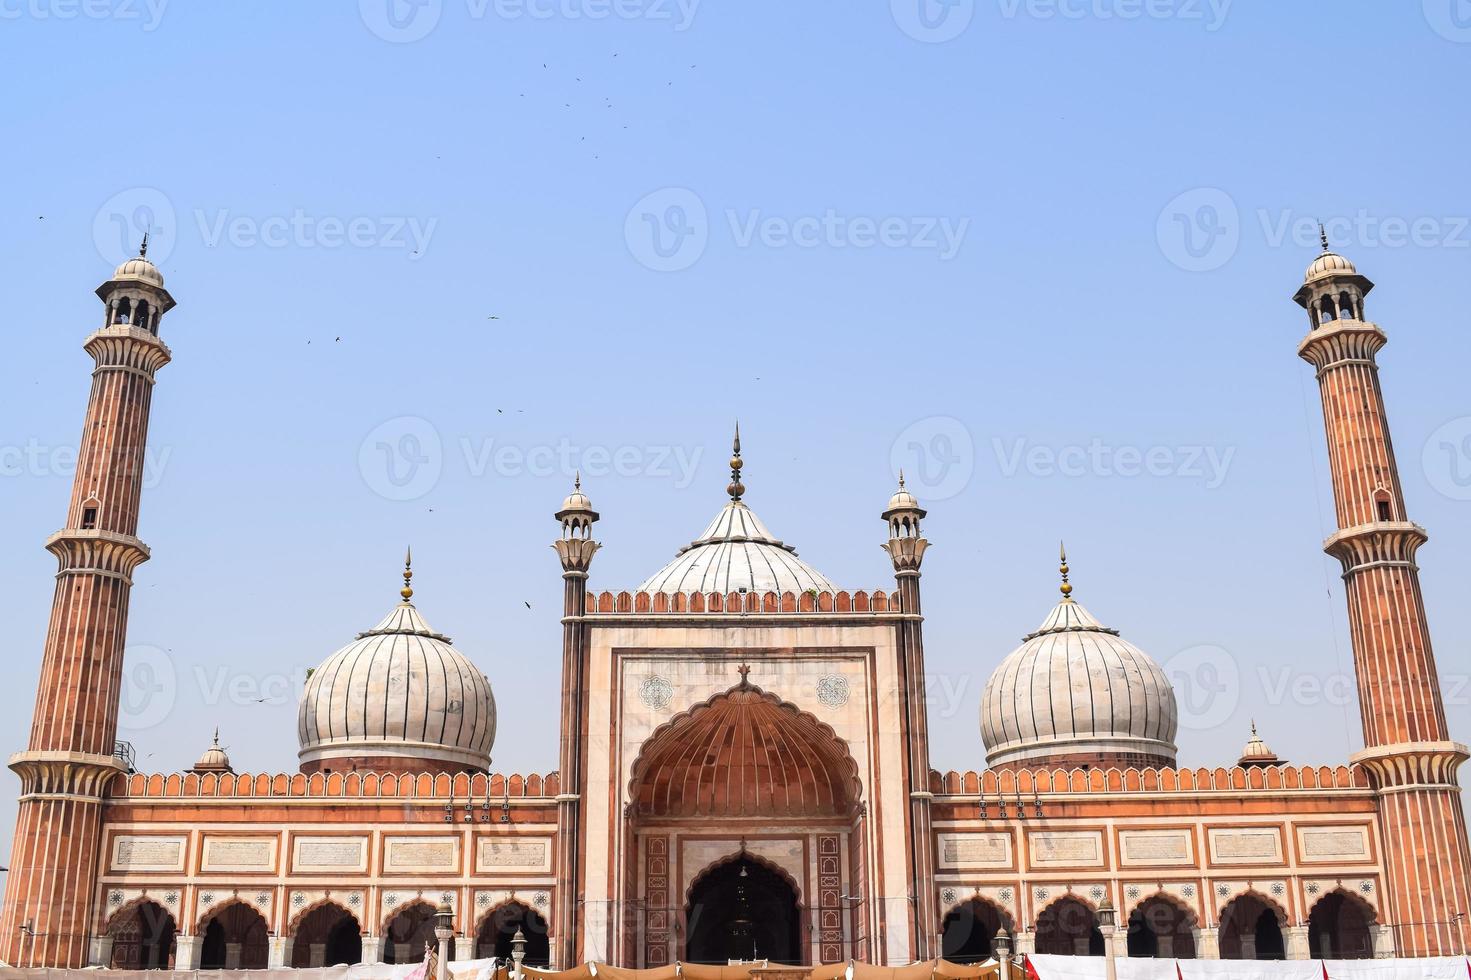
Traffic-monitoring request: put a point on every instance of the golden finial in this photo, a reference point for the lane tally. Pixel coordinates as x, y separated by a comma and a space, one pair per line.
408, 590
736, 489
1067, 588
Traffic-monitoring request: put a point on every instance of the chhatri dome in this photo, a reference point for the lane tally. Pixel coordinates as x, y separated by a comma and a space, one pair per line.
399, 698
736, 552
1075, 693
139, 268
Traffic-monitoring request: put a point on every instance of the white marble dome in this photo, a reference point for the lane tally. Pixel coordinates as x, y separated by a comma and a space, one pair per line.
399, 691
139, 268
1330, 264
737, 552
1075, 690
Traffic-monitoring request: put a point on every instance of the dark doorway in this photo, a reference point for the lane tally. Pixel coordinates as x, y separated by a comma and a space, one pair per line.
499, 928
1251, 930
408, 933
742, 910
969, 932
1338, 929
235, 938
1067, 927
1160, 928
327, 936
142, 938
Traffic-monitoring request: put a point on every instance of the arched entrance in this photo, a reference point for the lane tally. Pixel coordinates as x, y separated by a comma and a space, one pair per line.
499, 927
968, 934
142, 938
1251, 929
1340, 928
1068, 927
743, 910
408, 933
1159, 928
328, 935
235, 938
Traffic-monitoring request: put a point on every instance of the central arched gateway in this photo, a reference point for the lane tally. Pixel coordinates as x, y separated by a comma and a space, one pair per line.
743, 910
745, 809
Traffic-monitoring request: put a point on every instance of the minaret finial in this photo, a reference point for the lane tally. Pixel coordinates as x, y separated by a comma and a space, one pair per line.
901, 479
736, 489
408, 590
143, 248
217, 736
1066, 589
1323, 237
577, 481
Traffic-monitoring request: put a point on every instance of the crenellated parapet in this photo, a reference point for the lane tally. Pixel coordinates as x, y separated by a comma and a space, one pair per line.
742, 603
993, 782
97, 552
128, 348
334, 786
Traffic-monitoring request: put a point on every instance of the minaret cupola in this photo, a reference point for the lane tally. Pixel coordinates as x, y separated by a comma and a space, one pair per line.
1332, 290
135, 295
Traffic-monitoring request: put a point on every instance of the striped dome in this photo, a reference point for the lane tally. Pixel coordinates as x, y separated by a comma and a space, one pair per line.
399, 691
1074, 690
737, 552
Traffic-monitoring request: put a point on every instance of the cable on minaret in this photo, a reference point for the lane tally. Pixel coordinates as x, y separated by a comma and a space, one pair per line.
408, 590
736, 489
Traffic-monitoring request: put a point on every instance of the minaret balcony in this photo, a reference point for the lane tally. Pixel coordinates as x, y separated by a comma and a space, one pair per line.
1376, 544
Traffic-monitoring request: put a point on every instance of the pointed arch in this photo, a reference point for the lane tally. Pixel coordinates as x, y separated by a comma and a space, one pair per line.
969, 929
744, 752
143, 934
326, 933
495, 929
1341, 926
1069, 927
1251, 927
1163, 926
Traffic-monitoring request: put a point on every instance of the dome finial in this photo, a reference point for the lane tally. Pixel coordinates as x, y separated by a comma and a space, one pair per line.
1066, 588
736, 489
577, 481
1323, 237
408, 590
143, 248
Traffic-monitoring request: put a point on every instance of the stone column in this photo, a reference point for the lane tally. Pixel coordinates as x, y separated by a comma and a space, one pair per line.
1298, 947
280, 951
464, 948
372, 949
187, 951
1026, 942
101, 952
1208, 944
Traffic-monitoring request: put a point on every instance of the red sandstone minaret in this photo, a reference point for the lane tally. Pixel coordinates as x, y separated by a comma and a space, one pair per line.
1408, 751
71, 756
575, 548
906, 547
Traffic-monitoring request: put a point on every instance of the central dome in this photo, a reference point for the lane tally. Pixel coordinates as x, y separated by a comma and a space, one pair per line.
1075, 693
737, 554
399, 698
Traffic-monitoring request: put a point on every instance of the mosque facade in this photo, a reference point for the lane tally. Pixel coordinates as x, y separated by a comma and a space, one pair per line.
744, 767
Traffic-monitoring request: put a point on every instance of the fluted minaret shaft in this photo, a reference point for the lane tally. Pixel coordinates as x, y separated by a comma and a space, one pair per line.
575, 549
70, 757
1408, 752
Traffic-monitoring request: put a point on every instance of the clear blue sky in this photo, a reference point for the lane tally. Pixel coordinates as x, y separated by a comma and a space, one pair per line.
1011, 245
